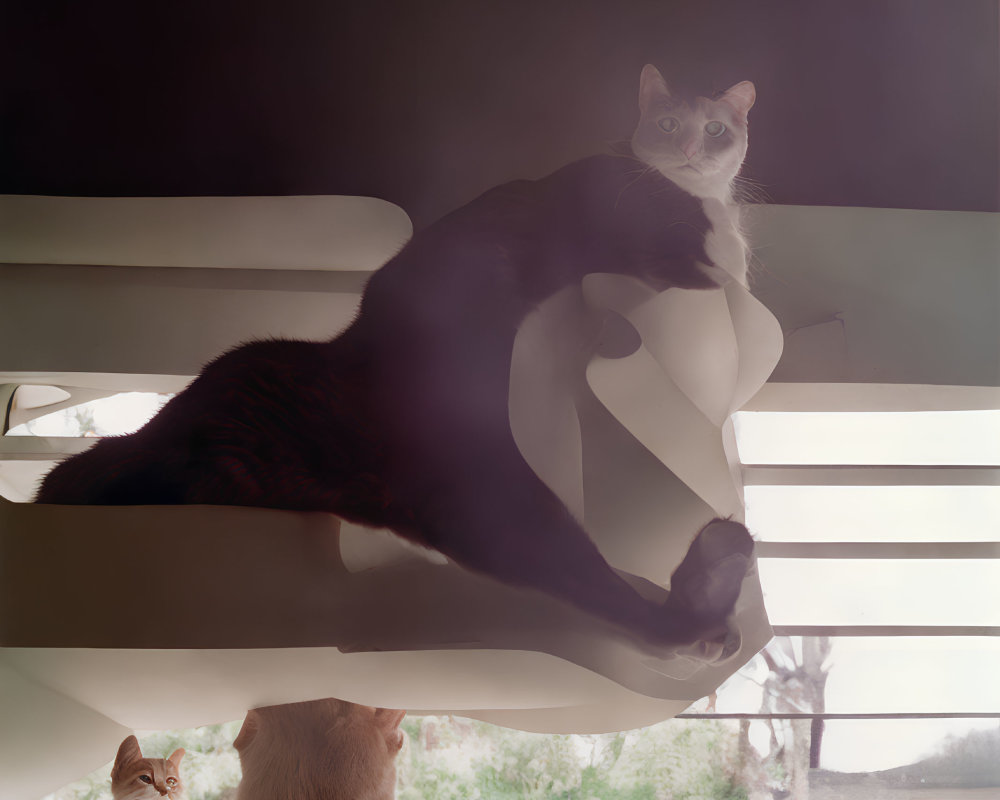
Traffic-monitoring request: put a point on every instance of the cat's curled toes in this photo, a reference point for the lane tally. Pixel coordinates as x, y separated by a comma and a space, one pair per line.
706, 585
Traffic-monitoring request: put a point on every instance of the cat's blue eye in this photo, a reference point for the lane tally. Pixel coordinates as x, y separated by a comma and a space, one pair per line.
668, 124
714, 129
145, 779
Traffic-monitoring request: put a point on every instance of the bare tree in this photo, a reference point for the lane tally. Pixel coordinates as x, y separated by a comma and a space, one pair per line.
796, 683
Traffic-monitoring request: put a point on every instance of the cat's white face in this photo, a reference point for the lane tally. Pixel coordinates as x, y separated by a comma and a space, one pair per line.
135, 777
699, 146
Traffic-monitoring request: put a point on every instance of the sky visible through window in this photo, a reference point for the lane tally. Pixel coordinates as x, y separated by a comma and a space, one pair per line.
868, 674
869, 438
880, 674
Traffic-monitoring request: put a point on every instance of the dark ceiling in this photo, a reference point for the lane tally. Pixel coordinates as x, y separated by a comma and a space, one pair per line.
889, 103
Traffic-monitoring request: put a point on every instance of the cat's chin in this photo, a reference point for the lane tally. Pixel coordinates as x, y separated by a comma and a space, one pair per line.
147, 793
696, 182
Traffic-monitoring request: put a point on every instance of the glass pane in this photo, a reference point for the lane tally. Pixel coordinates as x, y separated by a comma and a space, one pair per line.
874, 513
833, 591
924, 756
971, 438
19, 480
450, 757
115, 415
866, 675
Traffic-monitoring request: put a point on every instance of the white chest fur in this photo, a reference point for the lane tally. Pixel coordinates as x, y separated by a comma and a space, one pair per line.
725, 244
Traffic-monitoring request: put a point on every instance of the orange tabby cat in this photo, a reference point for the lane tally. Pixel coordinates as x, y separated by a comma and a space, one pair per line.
135, 777
320, 750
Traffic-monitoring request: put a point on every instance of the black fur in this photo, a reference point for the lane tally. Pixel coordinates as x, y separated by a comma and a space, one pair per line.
402, 420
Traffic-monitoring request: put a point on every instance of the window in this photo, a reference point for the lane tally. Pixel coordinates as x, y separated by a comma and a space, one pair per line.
879, 556
114, 415
43, 423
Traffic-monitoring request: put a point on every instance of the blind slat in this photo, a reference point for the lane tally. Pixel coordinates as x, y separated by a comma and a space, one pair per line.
894, 550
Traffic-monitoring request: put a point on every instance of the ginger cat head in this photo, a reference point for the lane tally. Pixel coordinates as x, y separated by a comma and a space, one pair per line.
319, 750
698, 143
135, 777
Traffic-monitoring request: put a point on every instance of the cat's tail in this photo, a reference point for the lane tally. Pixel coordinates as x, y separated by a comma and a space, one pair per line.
110, 473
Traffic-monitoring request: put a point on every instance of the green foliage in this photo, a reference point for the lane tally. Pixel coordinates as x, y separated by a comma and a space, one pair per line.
449, 758
84, 418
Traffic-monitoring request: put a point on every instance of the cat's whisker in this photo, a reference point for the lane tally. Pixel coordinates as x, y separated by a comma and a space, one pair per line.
749, 190
639, 175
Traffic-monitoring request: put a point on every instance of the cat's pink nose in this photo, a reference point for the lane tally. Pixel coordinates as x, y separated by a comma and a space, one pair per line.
690, 149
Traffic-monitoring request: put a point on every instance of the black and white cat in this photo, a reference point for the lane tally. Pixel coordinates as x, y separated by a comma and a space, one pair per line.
402, 420
700, 144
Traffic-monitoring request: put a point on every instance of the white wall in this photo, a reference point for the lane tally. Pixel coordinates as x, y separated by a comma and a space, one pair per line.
864, 295
882, 295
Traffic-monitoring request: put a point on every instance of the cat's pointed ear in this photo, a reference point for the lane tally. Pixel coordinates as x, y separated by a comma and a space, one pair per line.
128, 751
741, 97
387, 720
176, 756
651, 87
249, 730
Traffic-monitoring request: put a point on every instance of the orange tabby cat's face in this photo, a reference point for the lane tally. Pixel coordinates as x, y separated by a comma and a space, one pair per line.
325, 749
134, 777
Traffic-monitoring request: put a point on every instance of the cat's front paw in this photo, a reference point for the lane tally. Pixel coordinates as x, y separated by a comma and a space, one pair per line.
705, 587
714, 651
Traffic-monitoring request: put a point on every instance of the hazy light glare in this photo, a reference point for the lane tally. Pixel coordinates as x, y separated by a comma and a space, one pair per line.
875, 744
890, 675
114, 415
909, 673
833, 591
969, 438
874, 513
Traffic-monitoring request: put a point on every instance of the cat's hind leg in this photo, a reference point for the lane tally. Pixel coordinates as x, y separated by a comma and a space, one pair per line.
496, 517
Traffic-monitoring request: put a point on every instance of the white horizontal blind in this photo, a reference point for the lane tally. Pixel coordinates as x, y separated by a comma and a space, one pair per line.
877, 511
873, 493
